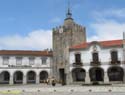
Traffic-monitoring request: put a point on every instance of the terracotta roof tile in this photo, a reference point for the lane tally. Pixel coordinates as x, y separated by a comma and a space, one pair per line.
25, 52
108, 43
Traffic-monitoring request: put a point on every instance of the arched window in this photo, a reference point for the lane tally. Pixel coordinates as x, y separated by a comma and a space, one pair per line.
5, 77
18, 77
31, 77
43, 76
78, 74
115, 74
96, 74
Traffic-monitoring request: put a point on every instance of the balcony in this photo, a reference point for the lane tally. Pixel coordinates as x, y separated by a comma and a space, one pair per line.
115, 62
95, 62
77, 64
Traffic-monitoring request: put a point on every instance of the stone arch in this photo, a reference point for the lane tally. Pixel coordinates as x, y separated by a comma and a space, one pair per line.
78, 74
115, 73
4, 77
18, 77
43, 75
96, 74
31, 77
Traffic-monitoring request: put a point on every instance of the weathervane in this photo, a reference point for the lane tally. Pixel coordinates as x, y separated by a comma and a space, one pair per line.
69, 14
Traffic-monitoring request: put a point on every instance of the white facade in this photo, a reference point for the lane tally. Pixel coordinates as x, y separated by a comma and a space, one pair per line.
104, 57
28, 63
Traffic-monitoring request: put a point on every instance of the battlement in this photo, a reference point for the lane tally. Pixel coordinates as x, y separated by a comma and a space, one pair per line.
65, 28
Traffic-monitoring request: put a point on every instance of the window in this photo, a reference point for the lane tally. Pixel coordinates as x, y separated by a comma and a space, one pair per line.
31, 60
95, 57
114, 56
77, 58
5, 60
18, 60
44, 59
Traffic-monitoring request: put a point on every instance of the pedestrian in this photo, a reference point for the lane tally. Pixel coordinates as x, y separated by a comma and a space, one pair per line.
48, 81
53, 81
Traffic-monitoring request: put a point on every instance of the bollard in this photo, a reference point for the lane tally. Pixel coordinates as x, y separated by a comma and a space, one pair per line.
110, 90
90, 90
38, 90
54, 90
72, 90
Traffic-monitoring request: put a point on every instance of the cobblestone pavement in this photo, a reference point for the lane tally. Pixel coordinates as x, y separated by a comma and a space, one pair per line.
43, 89
65, 93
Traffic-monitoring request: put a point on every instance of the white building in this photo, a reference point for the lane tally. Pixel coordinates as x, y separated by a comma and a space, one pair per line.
97, 61
22, 67
91, 62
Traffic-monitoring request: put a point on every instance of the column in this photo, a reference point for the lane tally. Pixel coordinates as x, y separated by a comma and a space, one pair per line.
69, 78
87, 78
106, 79
11, 80
37, 79
24, 79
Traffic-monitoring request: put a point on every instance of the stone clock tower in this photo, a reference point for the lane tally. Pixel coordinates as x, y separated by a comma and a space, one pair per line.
65, 36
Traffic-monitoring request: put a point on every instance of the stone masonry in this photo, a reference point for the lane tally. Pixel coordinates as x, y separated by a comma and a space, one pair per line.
64, 36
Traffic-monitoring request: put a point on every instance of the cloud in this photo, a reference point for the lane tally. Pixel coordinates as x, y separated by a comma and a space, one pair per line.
107, 28
39, 39
119, 13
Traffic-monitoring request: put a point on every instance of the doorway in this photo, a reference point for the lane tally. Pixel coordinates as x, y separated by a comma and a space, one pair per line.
62, 76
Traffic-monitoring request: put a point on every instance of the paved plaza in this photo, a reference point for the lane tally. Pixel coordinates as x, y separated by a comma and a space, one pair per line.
43, 89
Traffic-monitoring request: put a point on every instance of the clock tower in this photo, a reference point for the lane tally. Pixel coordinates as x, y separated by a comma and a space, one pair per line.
65, 36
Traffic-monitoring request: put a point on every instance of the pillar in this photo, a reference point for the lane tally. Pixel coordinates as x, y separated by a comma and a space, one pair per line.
11, 80
37, 79
106, 78
24, 79
87, 78
69, 78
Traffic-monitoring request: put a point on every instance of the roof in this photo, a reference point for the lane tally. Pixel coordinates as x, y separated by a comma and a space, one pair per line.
26, 52
109, 43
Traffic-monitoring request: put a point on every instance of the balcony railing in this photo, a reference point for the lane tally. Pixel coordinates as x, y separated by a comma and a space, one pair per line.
95, 63
115, 62
118, 61
77, 64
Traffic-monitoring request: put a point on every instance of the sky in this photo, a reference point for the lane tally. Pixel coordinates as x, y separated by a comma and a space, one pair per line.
27, 24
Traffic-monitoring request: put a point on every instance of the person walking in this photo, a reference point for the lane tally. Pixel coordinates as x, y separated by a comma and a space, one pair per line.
53, 81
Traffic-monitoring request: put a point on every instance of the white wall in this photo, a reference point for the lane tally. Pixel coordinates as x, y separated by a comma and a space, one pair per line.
86, 56
25, 61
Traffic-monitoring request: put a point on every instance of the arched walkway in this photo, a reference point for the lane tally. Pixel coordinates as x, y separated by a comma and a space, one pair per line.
43, 76
115, 74
4, 77
96, 74
78, 74
31, 77
18, 77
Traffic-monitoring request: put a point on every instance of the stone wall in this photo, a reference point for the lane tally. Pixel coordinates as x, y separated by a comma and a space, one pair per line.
64, 37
